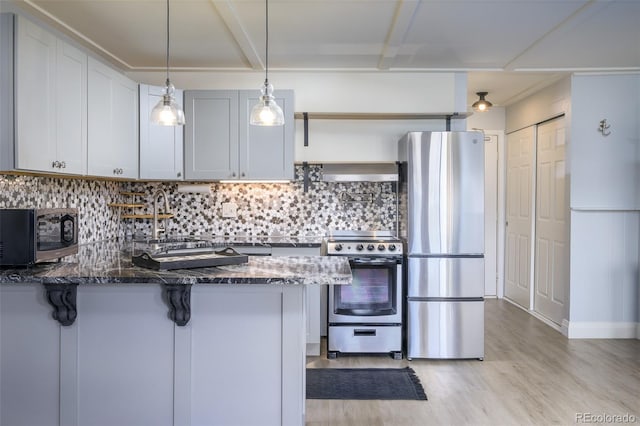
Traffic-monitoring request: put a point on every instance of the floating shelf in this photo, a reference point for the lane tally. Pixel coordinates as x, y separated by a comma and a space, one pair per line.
127, 205
381, 115
146, 216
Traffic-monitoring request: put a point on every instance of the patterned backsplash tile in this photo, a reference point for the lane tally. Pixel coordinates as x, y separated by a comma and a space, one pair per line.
262, 208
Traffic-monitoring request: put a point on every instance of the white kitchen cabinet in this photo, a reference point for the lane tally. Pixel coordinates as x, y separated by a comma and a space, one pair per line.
112, 123
6, 92
221, 144
161, 147
30, 361
51, 102
313, 317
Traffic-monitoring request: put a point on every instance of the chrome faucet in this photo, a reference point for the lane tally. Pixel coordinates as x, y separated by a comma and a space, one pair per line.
159, 193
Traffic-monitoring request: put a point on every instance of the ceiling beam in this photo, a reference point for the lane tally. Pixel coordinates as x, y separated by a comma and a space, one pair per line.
400, 24
229, 15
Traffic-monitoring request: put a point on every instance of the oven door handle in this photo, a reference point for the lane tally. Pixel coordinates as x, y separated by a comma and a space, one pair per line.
381, 262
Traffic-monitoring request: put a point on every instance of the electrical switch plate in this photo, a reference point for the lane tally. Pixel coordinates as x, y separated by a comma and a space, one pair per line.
229, 210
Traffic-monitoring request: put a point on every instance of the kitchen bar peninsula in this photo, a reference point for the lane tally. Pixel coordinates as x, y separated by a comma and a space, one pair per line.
239, 358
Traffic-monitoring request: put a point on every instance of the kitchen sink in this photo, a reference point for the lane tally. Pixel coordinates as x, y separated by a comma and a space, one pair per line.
169, 240
173, 245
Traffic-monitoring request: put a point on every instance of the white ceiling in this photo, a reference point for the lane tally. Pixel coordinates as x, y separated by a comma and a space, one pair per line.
510, 48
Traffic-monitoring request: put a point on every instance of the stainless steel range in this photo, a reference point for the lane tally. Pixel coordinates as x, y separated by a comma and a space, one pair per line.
366, 316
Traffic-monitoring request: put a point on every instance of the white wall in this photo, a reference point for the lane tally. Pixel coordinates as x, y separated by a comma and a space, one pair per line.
493, 119
543, 105
605, 206
355, 92
605, 169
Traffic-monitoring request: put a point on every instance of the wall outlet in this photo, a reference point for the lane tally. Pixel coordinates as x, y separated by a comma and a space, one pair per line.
229, 210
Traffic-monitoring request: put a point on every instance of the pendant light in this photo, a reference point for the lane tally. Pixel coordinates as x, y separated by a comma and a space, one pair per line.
167, 111
482, 105
266, 112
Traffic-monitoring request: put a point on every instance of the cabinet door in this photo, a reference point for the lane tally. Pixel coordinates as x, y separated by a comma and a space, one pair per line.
71, 108
161, 147
35, 97
112, 123
6, 92
211, 134
314, 307
266, 152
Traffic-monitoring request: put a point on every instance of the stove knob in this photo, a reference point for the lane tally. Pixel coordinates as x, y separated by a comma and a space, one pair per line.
338, 247
381, 247
359, 247
392, 247
370, 247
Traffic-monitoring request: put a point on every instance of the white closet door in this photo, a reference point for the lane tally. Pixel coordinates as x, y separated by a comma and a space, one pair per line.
551, 256
520, 172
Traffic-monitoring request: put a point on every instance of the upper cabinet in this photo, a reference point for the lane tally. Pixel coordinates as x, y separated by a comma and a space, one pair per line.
161, 147
220, 144
112, 123
51, 102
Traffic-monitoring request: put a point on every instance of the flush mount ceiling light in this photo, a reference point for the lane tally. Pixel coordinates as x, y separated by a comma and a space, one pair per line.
266, 112
482, 105
167, 111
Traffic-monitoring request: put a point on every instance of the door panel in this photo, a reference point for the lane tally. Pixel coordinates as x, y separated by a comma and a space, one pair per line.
211, 134
520, 160
445, 329
445, 277
491, 215
445, 180
551, 228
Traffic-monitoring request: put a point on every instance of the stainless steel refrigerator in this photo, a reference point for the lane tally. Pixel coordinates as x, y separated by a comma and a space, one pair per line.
442, 219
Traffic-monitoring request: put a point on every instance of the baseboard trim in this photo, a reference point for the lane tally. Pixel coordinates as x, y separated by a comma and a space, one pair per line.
602, 330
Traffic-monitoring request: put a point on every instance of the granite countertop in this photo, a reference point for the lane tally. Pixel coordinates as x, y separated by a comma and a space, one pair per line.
109, 262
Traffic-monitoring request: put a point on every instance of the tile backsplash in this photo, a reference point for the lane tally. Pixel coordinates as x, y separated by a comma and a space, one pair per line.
98, 221
262, 208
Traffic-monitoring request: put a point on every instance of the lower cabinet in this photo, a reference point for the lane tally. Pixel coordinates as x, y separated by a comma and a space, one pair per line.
239, 361
313, 317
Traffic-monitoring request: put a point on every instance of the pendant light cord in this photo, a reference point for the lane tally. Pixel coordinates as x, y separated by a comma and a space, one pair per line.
266, 42
167, 42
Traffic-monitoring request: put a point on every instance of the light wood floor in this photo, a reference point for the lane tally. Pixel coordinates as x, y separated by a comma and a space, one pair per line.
531, 375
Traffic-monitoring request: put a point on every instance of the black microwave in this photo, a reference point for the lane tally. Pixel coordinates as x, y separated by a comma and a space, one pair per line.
28, 236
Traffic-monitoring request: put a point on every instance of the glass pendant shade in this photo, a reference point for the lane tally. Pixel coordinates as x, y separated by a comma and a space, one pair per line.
267, 112
167, 111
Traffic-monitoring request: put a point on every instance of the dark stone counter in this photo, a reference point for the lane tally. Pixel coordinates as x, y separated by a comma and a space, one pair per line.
109, 262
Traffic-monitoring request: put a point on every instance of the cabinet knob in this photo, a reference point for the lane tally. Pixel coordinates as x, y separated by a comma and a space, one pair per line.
115, 171
233, 174
55, 164
63, 165
179, 174
242, 174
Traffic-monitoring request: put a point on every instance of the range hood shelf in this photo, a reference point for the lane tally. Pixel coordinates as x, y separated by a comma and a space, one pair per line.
381, 115
360, 172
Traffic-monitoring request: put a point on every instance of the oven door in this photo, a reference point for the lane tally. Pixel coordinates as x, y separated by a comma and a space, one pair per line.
374, 296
